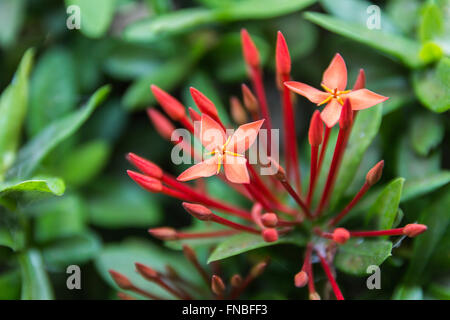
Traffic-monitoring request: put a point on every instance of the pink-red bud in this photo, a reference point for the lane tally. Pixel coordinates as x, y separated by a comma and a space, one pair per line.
258, 269
204, 104
237, 111
269, 220
171, 106
217, 285
315, 133
374, 174
145, 166
283, 59
249, 50
301, 279
341, 235
250, 101
414, 229
195, 116
147, 272
164, 233
360, 80
270, 235
346, 118
122, 281
236, 281
314, 296
161, 123
198, 211
146, 182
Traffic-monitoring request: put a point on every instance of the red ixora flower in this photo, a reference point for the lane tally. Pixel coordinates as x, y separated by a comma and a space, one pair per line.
334, 82
270, 215
224, 150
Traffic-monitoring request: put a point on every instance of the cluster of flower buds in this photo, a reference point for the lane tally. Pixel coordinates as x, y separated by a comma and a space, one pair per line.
270, 216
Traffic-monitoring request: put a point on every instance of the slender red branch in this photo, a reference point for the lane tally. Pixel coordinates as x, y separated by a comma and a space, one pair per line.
313, 174
212, 234
331, 279
323, 150
191, 256
352, 203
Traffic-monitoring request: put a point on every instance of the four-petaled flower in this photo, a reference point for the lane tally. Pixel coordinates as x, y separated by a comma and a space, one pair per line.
224, 150
334, 82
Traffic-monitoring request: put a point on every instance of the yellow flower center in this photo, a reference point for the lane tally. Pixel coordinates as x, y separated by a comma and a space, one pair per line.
335, 93
221, 152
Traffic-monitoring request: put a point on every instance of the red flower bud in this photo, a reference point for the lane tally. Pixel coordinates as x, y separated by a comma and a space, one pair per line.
237, 111
258, 269
198, 211
171, 106
301, 279
315, 133
414, 229
374, 174
283, 59
250, 101
346, 118
360, 81
147, 272
269, 220
122, 281
146, 182
204, 104
270, 235
314, 296
341, 235
251, 54
164, 233
236, 280
145, 166
217, 285
161, 123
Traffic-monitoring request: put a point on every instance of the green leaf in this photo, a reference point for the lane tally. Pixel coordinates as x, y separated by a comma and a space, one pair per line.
58, 218
85, 162
431, 22
11, 19
404, 13
33, 187
13, 107
35, 150
119, 204
404, 49
418, 187
121, 258
12, 233
10, 285
427, 132
35, 282
245, 242
437, 219
404, 292
96, 16
384, 210
73, 250
355, 256
53, 89
363, 132
432, 86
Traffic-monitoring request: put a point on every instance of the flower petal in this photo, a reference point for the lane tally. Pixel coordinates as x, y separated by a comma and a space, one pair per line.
312, 94
244, 137
236, 169
211, 133
206, 168
331, 113
336, 74
364, 98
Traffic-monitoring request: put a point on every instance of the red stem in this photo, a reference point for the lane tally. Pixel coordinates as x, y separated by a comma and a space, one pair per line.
377, 233
323, 150
257, 80
212, 234
313, 174
296, 197
334, 285
352, 203
187, 124
307, 267
234, 225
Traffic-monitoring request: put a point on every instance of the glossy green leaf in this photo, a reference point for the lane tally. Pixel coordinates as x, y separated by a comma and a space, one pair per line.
417, 187
427, 132
120, 204
431, 22
13, 107
34, 186
12, 233
73, 250
432, 86
404, 292
35, 282
10, 285
245, 242
355, 256
53, 89
85, 162
35, 150
364, 130
11, 19
384, 210
437, 219
96, 16
404, 49
58, 218
121, 258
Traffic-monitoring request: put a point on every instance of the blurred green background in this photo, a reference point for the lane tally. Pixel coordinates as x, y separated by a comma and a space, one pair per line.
64, 194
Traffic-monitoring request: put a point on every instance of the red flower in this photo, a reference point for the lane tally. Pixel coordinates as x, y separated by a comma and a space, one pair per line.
223, 151
334, 82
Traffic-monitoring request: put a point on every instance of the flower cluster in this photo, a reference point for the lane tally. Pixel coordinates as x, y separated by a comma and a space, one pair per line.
270, 216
